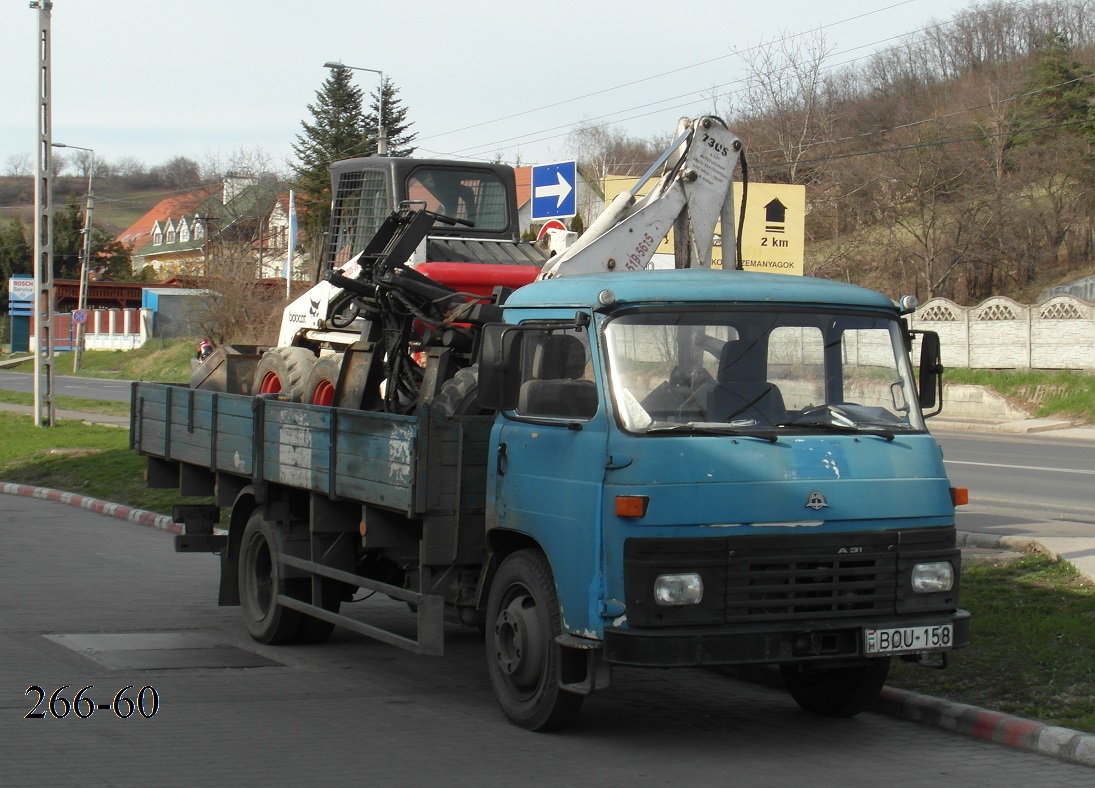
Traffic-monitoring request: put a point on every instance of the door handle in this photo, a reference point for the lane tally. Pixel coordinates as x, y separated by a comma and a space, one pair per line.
501, 466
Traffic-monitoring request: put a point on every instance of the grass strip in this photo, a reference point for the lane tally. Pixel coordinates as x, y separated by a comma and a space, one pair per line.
1031, 644
80, 458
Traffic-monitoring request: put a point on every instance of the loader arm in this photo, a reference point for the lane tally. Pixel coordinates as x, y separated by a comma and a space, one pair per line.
695, 192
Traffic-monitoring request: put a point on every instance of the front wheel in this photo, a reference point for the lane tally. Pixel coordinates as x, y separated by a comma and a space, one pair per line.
837, 692
523, 659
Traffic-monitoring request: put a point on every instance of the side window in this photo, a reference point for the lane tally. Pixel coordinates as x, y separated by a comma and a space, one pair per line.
557, 376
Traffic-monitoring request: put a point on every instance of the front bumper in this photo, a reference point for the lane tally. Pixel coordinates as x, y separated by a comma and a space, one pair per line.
755, 643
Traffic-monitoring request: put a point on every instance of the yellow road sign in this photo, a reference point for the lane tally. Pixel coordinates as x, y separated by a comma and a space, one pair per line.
773, 235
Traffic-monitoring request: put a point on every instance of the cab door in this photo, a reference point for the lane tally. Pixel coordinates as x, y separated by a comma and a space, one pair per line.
548, 474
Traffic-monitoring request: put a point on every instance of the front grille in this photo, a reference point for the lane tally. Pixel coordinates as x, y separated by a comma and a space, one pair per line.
776, 578
771, 585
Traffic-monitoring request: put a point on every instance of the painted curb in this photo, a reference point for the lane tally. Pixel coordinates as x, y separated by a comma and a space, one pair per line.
139, 516
1061, 743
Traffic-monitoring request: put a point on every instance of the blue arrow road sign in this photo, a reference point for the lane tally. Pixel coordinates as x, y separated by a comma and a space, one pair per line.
553, 190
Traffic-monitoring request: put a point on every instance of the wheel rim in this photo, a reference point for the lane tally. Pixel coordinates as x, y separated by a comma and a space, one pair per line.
324, 394
271, 384
260, 577
519, 641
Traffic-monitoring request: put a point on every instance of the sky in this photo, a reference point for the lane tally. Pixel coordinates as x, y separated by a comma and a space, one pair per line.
480, 80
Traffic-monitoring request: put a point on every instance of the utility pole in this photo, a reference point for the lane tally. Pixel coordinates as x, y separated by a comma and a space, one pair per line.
81, 301
44, 412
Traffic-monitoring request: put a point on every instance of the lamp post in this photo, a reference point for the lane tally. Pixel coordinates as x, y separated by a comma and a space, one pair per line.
381, 141
85, 262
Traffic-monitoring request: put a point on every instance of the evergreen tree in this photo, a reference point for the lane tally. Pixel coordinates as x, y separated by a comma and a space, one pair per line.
395, 123
16, 255
1059, 93
337, 131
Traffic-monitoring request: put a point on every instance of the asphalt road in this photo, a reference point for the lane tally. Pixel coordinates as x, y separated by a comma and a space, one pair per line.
88, 388
1020, 478
94, 601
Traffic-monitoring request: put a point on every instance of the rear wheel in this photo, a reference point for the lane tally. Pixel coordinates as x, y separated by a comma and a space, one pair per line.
284, 370
523, 659
320, 388
261, 580
837, 692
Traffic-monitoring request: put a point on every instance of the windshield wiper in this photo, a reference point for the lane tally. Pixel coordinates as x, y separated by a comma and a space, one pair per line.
841, 429
705, 429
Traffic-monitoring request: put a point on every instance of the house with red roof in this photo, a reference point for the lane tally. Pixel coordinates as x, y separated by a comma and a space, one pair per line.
241, 225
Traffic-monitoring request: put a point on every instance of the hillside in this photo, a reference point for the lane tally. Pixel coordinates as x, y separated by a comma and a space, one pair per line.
118, 202
957, 163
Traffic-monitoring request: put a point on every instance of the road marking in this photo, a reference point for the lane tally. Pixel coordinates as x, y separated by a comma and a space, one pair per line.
1020, 467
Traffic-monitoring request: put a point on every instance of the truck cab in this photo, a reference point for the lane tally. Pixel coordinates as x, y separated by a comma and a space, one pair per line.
724, 470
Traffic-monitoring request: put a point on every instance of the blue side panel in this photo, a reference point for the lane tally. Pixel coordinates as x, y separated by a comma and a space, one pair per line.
177, 423
371, 454
375, 460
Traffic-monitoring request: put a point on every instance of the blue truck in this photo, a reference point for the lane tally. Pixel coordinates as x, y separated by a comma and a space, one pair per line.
658, 468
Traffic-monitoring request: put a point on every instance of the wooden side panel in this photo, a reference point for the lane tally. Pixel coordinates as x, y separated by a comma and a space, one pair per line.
372, 454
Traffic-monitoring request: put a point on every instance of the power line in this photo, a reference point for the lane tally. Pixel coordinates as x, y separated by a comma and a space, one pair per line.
662, 74
480, 150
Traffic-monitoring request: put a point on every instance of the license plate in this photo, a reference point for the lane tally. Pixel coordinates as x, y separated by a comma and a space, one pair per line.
902, 640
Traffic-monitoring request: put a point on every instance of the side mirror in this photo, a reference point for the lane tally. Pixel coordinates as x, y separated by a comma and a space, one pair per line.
930, 391
500, 366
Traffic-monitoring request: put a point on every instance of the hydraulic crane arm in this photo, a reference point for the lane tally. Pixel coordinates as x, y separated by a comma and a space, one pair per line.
695, 192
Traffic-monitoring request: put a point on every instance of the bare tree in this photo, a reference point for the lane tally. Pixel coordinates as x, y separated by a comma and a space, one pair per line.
602, 150
254, 160
19, 165
238, 307
788, 95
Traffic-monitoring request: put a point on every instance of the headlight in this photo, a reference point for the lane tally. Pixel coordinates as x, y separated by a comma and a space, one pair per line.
679, 589
933, 577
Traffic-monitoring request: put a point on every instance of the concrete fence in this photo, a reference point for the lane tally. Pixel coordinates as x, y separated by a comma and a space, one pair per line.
1003, 334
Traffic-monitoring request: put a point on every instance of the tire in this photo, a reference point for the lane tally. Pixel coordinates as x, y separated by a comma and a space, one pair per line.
837, 692
322, 382
260, 581
459, 396
523, 658
283, 370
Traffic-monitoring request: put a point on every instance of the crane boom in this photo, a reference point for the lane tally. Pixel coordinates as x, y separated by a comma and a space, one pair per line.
694, 193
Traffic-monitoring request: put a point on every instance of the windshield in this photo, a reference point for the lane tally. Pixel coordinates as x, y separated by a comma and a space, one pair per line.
760, 372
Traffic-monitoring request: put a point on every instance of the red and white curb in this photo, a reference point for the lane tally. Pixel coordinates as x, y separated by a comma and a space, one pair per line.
139, 516
1063, 744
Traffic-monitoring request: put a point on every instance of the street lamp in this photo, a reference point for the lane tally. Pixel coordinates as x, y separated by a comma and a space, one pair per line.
381, 141
81, 301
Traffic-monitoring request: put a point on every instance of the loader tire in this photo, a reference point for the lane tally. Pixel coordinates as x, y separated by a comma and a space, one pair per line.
284, 370
459, 396
322, 383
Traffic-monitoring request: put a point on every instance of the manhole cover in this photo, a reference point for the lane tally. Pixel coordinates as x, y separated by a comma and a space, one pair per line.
160, 651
